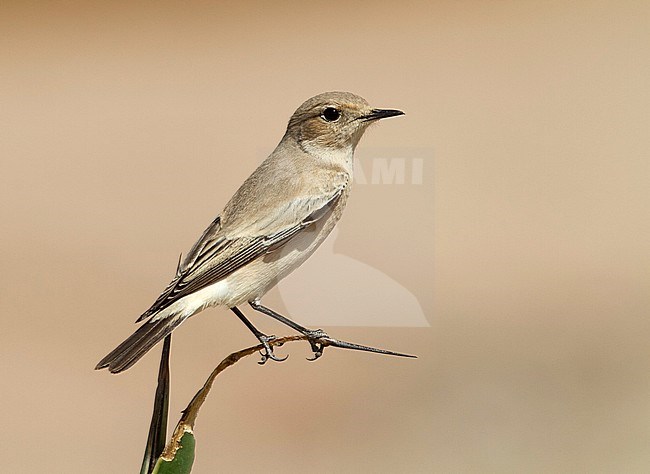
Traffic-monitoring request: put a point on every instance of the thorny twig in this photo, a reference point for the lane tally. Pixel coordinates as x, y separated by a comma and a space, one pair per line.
188, 418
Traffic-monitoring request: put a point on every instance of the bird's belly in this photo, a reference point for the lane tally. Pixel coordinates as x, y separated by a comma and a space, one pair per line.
256, 278
211, 295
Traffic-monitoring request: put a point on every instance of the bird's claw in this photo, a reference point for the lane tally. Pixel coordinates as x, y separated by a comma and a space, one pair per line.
267, 352
318, 351
316, 347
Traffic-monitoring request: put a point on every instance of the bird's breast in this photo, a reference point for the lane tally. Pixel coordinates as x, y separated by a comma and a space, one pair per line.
255, 279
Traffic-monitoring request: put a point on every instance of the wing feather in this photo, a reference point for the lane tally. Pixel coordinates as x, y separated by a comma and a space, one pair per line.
216, 256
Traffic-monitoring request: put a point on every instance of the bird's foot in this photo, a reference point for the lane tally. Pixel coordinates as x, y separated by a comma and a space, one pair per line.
313, 336
267, 351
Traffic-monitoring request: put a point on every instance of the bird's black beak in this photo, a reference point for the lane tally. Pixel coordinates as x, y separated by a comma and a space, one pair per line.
377, 114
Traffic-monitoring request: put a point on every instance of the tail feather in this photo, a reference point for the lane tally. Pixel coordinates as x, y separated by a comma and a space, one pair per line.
139, 343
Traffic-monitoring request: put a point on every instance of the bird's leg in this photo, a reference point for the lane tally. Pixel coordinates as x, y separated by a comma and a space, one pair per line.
267, 353
312, 334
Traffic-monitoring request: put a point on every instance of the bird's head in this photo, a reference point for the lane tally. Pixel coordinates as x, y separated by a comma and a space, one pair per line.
334, 120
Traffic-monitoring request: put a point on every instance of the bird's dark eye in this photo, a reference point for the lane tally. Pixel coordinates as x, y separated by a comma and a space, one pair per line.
331, 114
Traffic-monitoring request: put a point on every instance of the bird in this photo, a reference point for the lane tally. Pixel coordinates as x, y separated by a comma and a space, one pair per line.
275, 220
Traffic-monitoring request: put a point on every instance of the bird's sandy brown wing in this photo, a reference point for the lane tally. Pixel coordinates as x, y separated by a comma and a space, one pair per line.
215, 256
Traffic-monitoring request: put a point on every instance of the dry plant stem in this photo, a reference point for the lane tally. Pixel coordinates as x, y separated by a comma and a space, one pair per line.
188, 418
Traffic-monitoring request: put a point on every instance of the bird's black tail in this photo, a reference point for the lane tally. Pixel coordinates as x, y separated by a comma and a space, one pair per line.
138, 344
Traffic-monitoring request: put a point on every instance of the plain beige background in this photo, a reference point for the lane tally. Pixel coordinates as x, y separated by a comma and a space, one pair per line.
124, 127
